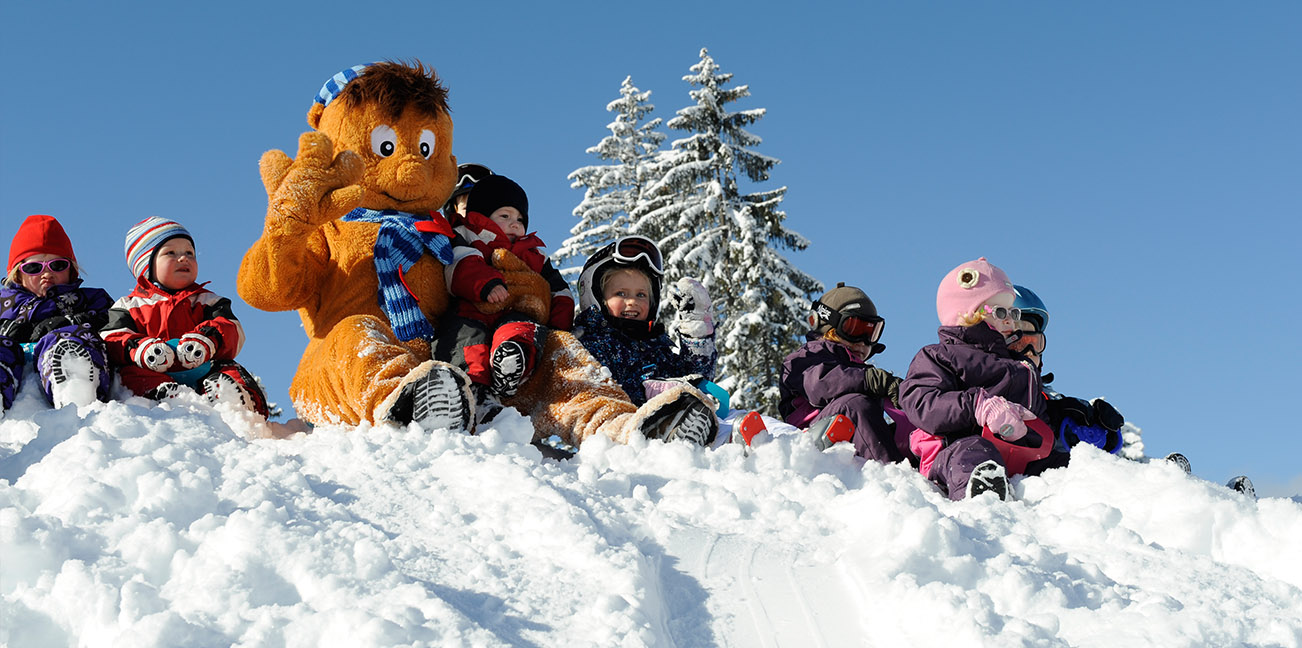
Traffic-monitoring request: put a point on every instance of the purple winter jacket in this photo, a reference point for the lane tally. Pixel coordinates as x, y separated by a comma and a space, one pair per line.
813, 375
940, 392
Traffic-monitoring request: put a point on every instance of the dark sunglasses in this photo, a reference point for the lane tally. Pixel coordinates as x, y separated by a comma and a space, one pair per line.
631, 248
851, 328
37, 267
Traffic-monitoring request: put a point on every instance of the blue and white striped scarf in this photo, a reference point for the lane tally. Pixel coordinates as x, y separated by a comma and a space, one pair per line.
398, 246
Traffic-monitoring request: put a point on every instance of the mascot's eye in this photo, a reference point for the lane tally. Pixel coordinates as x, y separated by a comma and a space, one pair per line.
427, 141
384, 141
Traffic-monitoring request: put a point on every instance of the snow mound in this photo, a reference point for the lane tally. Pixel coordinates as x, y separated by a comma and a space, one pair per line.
142, 524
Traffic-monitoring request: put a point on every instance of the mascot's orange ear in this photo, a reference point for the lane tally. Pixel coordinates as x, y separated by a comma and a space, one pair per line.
314, 115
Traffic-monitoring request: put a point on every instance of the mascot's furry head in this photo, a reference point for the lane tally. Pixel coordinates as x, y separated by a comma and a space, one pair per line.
395, 116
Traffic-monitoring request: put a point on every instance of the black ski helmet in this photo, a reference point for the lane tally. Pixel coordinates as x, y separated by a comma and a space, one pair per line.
631, 251
467, 176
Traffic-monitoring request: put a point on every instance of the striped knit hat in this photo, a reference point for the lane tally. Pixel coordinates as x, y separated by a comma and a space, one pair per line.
144, 237
336, 84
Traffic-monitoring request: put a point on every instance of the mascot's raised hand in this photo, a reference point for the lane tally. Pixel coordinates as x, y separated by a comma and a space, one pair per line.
316, 186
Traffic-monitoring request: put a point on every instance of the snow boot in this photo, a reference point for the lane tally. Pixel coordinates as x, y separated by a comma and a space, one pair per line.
508, 364
686, 417
1181, 461
831, 430
74, 378
231, 383
220, 388
487, 406
441, 399
1243, 485
988, 476
554, 447
750, 426
165, 391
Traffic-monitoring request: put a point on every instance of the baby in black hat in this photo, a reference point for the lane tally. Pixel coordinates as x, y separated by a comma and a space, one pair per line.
497, 350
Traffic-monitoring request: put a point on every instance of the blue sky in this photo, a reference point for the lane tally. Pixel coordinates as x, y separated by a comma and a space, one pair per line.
1140, 167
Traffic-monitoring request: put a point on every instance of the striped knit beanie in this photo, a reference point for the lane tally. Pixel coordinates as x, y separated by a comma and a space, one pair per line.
145, 237
336, 83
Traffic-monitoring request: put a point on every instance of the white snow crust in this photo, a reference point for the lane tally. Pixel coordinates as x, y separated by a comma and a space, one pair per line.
144, 524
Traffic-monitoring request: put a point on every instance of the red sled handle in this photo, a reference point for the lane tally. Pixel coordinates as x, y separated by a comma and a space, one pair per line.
1017, 456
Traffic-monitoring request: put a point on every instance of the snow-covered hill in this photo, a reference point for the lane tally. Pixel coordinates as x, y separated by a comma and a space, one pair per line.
138, 524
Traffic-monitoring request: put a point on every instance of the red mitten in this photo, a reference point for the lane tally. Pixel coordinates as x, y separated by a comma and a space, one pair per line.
153, 354
194, 350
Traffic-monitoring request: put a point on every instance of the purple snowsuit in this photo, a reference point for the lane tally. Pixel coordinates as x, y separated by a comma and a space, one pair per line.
939, 395
66, 312
822, 379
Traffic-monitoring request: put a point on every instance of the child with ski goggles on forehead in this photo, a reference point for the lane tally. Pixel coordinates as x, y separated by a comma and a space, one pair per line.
830, 375
47, 315
619, 296
971, 397
171, 334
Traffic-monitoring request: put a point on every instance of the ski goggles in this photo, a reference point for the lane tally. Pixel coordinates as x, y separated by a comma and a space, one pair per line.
1028, 342
470, 175
1001, 312
37, 267
631, 249
851, 328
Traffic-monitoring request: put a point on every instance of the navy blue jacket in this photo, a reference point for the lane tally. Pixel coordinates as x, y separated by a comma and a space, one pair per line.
634, 355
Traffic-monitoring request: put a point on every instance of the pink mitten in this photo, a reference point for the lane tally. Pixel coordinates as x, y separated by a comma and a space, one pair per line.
1002, 417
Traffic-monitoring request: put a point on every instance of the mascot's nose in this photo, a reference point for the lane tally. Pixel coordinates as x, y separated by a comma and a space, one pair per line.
415, 171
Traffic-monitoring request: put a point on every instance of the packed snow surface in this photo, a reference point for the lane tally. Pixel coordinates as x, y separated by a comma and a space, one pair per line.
142, 524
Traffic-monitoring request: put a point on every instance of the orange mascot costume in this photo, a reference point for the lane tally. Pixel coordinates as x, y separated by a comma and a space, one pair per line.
353, 242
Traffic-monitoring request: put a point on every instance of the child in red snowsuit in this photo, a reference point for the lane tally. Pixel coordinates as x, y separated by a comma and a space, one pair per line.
498, 350
171, 331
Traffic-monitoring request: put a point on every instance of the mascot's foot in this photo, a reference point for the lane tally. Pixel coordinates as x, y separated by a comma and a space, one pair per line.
684, 417
440, 399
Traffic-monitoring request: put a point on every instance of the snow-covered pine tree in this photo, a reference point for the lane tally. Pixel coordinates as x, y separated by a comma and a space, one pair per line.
612, 190
709, 229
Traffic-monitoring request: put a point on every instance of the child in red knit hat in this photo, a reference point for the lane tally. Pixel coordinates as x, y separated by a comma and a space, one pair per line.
47, 316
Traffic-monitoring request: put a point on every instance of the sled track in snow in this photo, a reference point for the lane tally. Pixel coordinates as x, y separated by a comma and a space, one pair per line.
762, 601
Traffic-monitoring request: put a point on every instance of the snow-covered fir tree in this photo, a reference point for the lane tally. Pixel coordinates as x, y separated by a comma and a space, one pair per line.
612, 190
711, 230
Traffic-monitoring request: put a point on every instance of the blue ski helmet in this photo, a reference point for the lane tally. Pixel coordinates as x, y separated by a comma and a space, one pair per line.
1032, 307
